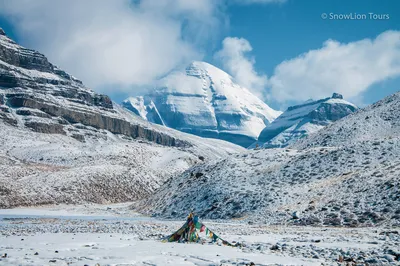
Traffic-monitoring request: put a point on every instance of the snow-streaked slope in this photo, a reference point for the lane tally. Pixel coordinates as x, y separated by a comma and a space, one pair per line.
205, 101
346, 174
61, 142
38, 168
379, 120
302, 120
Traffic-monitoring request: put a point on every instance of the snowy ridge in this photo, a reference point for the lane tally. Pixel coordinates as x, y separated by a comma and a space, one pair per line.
302, 120
379, 120
344, 175
204, 100
39, 168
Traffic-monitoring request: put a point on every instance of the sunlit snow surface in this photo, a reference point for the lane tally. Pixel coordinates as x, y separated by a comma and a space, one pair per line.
302, 120
205, 101
114, 235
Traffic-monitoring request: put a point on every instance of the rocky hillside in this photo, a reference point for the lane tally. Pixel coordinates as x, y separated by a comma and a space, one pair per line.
62, 142
346, 174
205, 101
40, 96
302, 120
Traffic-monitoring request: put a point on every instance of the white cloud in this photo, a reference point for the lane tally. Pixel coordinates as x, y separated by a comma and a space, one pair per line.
241, 67
118, 45
118, 42
337, 67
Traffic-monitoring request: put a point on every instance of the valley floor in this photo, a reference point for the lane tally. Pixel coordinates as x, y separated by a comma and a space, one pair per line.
114, 235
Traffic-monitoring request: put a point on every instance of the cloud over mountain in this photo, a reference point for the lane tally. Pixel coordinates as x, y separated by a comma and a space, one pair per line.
233, 56
348, 68
115, 42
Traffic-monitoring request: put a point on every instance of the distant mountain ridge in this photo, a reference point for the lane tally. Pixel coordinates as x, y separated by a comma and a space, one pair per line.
204, 100
302, 120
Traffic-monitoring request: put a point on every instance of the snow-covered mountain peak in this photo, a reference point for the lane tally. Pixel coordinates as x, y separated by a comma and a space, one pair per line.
204, 100
301, 120
201, 69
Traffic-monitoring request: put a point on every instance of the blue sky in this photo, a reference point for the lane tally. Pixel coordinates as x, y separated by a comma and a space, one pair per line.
120, 51
282, 31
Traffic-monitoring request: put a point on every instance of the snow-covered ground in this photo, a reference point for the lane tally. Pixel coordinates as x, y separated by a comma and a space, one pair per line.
37, 168
91, 234
64, 210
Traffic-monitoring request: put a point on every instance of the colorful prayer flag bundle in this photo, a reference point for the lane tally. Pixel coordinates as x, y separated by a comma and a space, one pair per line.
191, 230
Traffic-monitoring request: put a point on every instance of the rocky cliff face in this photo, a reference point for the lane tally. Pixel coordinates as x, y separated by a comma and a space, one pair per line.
36, 94
302, 120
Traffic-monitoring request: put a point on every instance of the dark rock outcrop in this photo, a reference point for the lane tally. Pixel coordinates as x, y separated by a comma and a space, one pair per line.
79, 137
22, 57
337, 96
49, 128
8, 119
26, 112
94, 119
